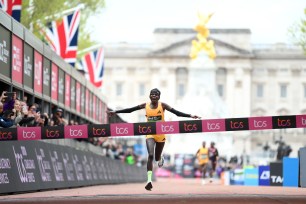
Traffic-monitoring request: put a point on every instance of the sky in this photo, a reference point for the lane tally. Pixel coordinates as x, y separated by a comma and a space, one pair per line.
135, 20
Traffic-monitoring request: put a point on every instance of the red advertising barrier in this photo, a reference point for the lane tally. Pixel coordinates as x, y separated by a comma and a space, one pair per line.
167, 127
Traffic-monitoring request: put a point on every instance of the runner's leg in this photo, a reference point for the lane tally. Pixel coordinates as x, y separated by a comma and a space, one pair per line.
158, 153
150, 142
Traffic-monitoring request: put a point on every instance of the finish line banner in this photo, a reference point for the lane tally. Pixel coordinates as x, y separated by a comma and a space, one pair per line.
170, 127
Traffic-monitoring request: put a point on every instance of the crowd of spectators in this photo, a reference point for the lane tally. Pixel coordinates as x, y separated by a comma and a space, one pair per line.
15, 113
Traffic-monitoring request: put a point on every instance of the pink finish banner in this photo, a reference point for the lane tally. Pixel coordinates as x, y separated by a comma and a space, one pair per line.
76, 131
213, 125
29, 133
122, 129
171, 127
260, 123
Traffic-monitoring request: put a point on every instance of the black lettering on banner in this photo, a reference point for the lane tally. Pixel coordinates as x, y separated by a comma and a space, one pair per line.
99, 130
145, 128
8, 134
235, 124
190, 126
286, 121
53, 132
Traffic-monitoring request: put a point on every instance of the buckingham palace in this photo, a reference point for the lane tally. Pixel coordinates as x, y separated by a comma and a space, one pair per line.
244, 80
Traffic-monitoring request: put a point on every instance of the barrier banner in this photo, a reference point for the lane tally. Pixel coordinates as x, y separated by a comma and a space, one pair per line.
237, 177
35, 165
251, 177
276, 173
264, 175
291, 172
163, 127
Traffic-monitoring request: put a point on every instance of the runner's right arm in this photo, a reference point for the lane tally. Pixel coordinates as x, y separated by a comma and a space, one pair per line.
127, 110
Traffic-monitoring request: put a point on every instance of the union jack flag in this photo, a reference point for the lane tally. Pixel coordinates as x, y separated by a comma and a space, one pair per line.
93, 65
62, 36
12, 7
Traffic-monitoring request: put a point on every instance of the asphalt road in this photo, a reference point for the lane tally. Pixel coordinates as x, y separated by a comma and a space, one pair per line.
164, 191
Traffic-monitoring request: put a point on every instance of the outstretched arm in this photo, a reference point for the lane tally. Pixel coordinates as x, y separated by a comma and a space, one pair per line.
178, 113
127, 110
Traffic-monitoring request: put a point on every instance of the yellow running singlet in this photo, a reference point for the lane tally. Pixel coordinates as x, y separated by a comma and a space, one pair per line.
154, 115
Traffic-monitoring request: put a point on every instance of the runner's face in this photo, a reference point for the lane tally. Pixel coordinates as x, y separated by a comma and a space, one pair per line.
154, 96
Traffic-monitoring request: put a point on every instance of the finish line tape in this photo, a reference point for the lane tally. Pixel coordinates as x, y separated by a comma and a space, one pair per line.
152, 128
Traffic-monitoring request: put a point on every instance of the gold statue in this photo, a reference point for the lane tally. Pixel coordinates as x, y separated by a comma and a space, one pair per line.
202, 43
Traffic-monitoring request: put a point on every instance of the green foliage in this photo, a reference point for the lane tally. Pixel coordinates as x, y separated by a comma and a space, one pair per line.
298, 32
41, 12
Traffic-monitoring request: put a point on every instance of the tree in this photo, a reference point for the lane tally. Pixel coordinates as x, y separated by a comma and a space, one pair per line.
34, 11
298, 32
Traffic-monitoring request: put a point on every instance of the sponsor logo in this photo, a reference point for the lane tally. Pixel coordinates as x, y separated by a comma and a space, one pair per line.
29, 133
265, 175
55, 132
145, 128
213, 125
154, 118
283, 122
276, 179
122, 129
259, 123
25, 166
235, 124
99, 130
76, 131
190, 126
8, 134
167, 127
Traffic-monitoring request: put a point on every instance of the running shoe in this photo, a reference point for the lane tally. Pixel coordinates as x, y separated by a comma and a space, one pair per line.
161, 162
149, 186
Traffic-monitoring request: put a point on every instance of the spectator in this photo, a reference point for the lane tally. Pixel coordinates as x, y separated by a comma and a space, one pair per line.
58, 118
130, 157
5, 119
9, 105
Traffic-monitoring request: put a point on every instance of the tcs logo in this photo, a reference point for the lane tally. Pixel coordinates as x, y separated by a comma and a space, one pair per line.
167, 128
6, 135
236, 125
260, 124
52, 133
121, 131
98, 131
213, 126
190, 127
144, 129
28, 134
75, 133
283, 123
